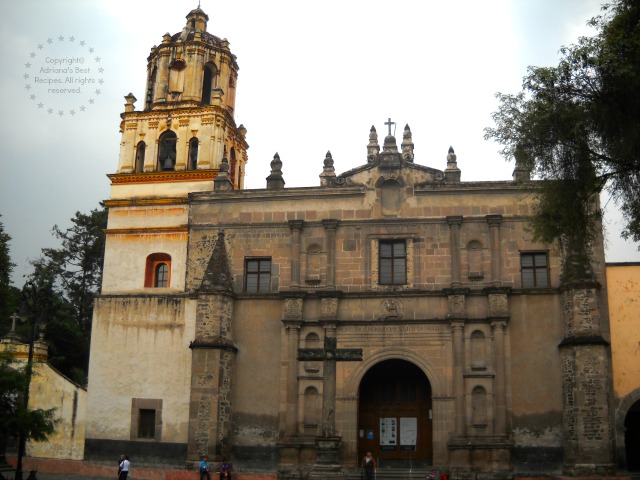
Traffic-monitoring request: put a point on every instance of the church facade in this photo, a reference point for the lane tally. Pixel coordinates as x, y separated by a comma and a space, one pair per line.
393, 308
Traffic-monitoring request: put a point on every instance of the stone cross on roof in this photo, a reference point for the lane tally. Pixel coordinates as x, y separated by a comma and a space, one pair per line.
389, 122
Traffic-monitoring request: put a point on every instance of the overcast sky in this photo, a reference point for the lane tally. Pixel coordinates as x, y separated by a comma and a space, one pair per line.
314, 76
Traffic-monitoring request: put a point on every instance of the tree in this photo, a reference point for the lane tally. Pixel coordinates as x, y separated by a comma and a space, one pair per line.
9, 295
75, 273
576, 126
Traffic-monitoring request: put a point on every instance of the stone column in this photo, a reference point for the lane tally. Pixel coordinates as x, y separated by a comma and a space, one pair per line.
162, 74
454, 229
458, 375
213, 355
585, 357
585, 360
494, 222
498, 299
500, 418
291, 412
457, 315
331, 226
329, 387
296, 229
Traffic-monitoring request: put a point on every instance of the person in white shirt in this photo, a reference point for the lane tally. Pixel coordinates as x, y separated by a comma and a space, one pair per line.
124, 468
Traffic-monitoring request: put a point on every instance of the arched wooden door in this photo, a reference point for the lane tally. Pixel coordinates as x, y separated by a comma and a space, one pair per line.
632, 437
394, 414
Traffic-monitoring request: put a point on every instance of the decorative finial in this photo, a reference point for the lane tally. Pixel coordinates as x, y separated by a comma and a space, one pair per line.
275, 180
452, 172
373, 148
407, 144
328, 159
328, 172
222, 182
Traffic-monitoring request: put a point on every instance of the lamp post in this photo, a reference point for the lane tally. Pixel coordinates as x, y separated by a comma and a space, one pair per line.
33, 310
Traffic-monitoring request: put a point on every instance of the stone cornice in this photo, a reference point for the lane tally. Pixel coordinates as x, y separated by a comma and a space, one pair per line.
137, 231
163, 177
275, 195
483, 188
143, 202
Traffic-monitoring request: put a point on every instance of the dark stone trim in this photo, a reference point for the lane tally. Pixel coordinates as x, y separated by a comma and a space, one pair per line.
537, 459
456, 291
213, 346
590, 340
292, 294
140, 452
474, 443
580, 285
497, 290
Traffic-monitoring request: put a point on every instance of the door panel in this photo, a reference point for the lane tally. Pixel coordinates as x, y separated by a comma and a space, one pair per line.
395, 389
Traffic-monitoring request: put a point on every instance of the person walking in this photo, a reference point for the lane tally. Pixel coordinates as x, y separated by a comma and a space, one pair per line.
125, 465
368, 466
119, 462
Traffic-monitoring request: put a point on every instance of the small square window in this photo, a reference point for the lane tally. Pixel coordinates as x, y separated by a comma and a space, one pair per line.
147, 423
535, 270
392, 262
258, 275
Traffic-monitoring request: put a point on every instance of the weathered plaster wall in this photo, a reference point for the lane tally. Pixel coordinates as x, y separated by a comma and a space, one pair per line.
624, 310
51, 389
148, 357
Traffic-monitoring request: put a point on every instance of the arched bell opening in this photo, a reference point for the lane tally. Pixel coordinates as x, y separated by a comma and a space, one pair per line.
395, 415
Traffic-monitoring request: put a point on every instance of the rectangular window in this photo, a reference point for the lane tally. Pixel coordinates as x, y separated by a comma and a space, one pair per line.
258, 275
535, 270
147, 423
392, 264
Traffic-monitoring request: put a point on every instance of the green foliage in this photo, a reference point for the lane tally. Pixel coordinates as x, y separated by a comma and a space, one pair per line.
75, 268
576, 125
74, 272
14, 418
9, 295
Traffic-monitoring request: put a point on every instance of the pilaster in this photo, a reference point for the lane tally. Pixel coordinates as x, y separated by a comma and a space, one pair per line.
494, 222
331, 226
296, 230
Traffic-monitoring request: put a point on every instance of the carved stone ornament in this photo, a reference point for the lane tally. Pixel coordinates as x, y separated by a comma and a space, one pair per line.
456, 305
329, 308
391, 309
498, 305
293, 309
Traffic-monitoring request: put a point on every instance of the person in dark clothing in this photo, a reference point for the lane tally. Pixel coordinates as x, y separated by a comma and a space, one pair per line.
368, 466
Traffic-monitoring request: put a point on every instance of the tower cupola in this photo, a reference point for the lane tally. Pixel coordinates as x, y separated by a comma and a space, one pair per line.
187, 125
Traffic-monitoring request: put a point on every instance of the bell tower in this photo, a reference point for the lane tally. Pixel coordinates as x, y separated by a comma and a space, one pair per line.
176, 143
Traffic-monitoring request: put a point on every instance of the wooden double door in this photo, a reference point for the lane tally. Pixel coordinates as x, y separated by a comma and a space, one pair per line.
395, 415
